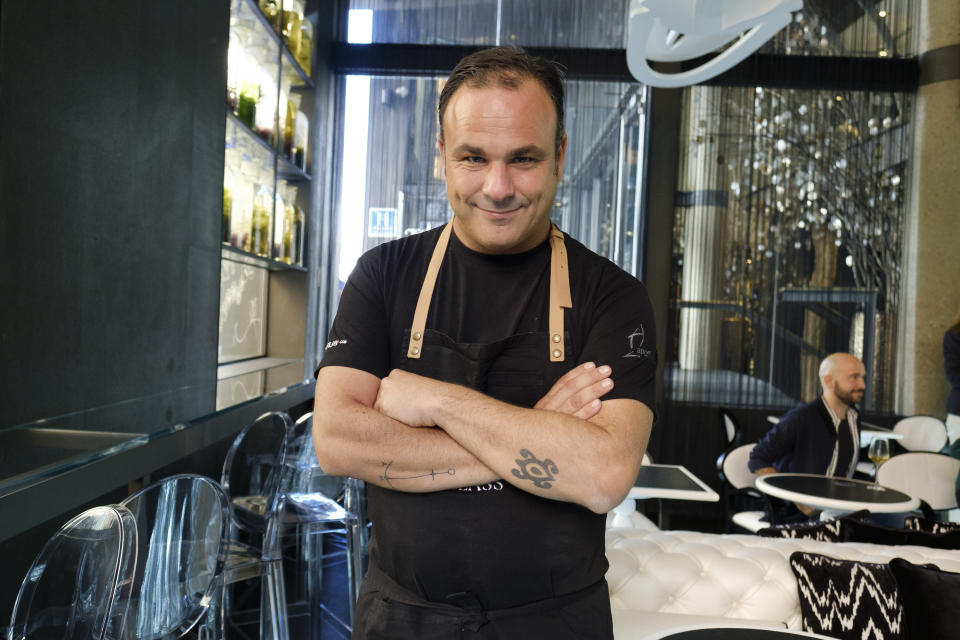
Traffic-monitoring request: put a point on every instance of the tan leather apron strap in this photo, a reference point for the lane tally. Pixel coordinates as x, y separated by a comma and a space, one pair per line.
559, 294
426, 294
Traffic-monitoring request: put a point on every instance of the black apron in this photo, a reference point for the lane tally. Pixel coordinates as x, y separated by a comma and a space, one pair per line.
488, 562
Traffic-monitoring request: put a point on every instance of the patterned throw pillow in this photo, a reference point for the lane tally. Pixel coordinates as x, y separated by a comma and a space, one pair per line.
930, 598
916, 523
846, 599
860, 531
825, 531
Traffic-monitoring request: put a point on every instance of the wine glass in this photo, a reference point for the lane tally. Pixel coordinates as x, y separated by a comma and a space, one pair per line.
879, 452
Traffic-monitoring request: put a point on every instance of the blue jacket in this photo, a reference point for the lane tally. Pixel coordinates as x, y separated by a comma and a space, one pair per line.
804, 441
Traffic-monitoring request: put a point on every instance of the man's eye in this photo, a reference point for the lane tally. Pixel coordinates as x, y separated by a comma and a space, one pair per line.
524, 159
473, 159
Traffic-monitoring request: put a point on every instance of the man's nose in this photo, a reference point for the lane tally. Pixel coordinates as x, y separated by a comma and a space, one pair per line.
498, 186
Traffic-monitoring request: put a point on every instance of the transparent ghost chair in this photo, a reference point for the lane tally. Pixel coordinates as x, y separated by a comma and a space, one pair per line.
251, 477
324, 514
77, 587
182, 524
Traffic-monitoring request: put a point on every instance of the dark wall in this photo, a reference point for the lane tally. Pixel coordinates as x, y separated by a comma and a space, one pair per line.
111, 161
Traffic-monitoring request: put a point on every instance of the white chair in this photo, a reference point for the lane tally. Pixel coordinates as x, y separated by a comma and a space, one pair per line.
730, 427
929, 476
922, 433
738, 480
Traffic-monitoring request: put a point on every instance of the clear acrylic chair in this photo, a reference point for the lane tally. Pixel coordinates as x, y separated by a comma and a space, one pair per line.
251, 477
77, 587
325, 515
182, 523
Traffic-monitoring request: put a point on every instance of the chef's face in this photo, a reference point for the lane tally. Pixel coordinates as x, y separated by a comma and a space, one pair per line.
502, 165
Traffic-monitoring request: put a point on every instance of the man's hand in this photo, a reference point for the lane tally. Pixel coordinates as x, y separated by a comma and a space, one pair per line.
765, 471
578, 391
405, 397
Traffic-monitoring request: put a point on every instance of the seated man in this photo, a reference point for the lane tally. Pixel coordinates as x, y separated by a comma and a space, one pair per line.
820, 437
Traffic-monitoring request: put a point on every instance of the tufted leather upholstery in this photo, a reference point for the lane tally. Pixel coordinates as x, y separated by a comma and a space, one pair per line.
688, 574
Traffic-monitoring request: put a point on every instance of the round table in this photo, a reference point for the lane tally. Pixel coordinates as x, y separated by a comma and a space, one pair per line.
731, 632
829, 493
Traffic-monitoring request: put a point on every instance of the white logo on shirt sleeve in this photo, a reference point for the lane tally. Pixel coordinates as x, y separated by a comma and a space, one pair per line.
635, 343
335, 343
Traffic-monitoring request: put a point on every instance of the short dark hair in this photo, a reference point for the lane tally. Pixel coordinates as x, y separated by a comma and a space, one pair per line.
505, 67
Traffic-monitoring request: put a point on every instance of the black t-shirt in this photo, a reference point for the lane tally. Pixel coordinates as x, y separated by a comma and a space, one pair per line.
503, 545
481, 298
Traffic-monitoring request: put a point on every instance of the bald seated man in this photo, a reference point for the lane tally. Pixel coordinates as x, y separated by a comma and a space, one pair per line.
820, 437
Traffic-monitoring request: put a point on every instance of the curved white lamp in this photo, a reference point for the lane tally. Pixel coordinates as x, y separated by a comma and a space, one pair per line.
675, 30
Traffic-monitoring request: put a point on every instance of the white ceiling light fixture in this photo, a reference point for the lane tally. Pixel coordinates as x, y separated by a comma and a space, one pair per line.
677, 30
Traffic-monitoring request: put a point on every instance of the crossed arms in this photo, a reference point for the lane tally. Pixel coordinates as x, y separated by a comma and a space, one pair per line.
412, 433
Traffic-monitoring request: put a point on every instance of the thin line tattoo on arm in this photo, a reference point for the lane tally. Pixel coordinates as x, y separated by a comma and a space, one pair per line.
541, 472
432, 474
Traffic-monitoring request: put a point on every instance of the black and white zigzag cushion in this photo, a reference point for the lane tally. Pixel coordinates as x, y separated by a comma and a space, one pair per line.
846, 599
827, 531
822, 530
931, 526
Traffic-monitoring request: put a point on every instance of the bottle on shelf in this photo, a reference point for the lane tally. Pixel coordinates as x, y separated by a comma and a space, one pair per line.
265, 115
289, 124
228, 190
289, 216
290, 26
279, 248
300, 135
271, 11
305, 54
296, 227
260, 223
242, 217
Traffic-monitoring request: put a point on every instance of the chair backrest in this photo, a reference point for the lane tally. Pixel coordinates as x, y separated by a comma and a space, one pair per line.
77, 587
921, 433
303, 474
732, 466
731, 429
183, 526
253, 470
925, 475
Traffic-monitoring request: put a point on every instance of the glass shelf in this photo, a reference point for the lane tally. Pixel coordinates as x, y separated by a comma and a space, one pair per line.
229, 252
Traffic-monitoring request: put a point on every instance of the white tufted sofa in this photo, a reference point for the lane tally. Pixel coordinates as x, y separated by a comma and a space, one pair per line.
660, 580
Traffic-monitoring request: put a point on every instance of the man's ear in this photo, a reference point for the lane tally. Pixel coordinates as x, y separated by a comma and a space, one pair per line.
443, 156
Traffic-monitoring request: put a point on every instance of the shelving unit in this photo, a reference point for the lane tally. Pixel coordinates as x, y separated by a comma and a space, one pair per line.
267, 199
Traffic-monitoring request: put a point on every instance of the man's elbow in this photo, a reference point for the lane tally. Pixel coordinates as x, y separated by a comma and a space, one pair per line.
329, 458
609, 490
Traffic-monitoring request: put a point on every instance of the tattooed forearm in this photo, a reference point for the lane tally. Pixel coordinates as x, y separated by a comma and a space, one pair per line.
541, 472
432, 474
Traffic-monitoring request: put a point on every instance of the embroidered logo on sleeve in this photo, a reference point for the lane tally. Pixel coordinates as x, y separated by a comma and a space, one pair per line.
335, 343
635, 342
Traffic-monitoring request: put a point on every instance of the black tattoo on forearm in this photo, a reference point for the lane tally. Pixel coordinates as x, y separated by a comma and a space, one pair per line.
432, 474
541, 472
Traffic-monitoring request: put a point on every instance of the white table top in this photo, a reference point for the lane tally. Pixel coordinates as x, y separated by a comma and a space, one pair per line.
733, 631
835, 494
671, 481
